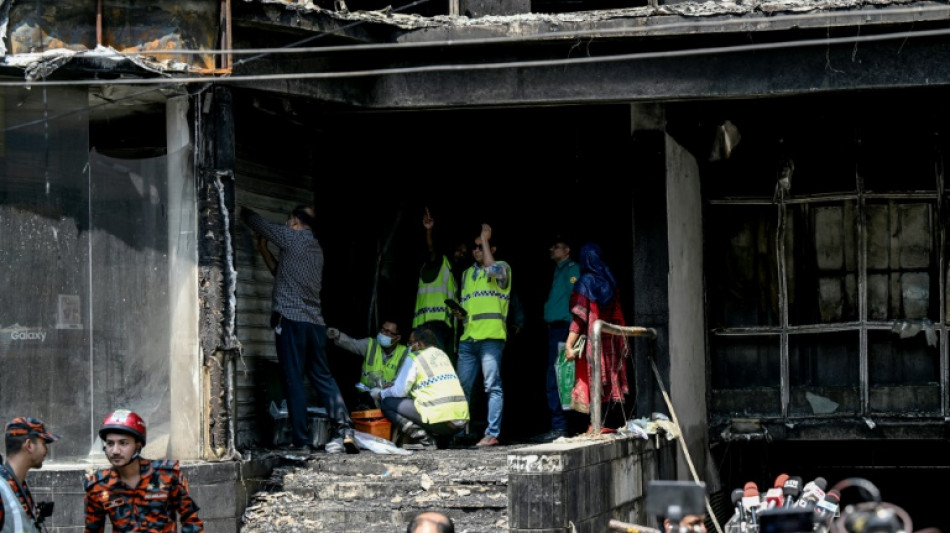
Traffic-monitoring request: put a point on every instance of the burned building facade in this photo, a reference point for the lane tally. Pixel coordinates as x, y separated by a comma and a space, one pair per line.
767, 179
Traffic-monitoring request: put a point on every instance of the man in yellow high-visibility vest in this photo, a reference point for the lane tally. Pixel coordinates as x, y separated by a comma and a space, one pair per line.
425, 402
436, 285
485, 296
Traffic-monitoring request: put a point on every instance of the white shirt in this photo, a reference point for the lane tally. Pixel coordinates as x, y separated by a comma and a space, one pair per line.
402, 384
403, 381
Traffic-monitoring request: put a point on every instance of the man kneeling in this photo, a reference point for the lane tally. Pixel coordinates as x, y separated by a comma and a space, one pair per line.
426, 402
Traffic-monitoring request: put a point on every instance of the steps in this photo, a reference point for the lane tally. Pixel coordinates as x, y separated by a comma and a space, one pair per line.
381, 493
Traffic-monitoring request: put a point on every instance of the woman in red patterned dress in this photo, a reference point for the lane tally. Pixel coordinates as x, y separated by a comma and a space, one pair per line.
595, 297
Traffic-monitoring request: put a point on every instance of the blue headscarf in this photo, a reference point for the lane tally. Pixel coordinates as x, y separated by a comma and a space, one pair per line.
596, 283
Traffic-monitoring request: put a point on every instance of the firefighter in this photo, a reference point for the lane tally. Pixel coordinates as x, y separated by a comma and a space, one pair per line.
138, 495
27, 443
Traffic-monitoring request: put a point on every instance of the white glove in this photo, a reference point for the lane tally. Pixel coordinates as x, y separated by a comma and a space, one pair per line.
333, 333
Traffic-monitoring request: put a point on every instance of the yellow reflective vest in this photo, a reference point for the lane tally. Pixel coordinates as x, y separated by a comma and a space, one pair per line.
376, 373
486, 304
437, 392
430, 298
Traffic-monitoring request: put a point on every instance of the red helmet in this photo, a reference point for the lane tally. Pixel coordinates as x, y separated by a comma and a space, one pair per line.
123, 421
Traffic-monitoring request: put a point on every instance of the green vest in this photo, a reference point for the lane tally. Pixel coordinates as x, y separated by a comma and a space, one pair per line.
430, 298
376, 373
437, 392
486, 304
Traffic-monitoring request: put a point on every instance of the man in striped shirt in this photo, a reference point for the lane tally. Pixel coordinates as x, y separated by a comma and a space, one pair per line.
300, 331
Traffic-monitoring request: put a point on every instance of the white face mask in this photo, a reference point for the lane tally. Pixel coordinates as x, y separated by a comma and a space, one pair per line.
384, 340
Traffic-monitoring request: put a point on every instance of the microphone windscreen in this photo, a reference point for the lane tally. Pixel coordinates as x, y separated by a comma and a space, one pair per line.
774, 498
833, 496
820, 483
751, 489
737, 496
780, 481
793, 487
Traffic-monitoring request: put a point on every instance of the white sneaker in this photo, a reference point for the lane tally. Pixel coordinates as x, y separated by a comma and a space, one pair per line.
334, 446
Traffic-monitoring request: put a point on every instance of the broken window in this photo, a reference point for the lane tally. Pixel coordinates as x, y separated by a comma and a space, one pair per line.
824, 300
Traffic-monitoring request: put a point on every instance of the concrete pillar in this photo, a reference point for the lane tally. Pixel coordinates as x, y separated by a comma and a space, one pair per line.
668, 278
686, 304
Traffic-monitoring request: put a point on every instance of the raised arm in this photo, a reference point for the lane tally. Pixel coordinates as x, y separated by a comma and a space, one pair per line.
428, 223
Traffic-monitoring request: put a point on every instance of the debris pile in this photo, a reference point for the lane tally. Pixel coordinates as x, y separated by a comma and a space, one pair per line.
373, 492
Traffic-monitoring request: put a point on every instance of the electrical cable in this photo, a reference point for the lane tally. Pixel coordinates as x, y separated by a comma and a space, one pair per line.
465, 67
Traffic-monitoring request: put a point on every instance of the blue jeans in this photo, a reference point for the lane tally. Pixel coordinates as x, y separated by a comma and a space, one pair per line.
556, 334
301, 351
487, 355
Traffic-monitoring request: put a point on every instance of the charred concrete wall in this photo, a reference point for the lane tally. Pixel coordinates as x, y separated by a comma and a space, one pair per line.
216, 273
553, 487
222, 491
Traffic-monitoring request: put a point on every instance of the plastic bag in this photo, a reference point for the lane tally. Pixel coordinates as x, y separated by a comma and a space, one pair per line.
376, 444
564, 370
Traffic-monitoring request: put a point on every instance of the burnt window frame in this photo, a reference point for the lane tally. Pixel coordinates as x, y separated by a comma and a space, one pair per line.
865, 159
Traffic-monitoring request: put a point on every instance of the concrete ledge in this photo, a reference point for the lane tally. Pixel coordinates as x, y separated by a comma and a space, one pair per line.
584, 482
222, 491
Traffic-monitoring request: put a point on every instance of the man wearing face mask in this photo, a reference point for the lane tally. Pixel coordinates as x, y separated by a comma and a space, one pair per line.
382, 356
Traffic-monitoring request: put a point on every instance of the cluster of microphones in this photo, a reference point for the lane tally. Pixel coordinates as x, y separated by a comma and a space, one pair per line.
786, 498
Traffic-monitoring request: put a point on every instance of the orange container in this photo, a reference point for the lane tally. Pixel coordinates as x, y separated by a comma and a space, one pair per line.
373, 422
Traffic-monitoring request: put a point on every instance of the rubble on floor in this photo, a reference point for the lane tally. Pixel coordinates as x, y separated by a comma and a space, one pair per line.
382, 492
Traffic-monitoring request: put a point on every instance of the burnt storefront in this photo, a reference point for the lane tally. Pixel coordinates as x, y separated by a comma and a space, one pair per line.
767, 181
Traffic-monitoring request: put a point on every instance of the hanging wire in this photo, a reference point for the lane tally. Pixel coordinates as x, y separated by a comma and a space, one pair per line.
180, 80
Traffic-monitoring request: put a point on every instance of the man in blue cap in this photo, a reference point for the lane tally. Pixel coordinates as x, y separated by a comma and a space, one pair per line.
27, 444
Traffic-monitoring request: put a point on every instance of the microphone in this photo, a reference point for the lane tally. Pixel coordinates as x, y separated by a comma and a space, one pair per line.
750, 500
737, 503
813, 492
792, 489
828, 507
774, 497
780, 481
